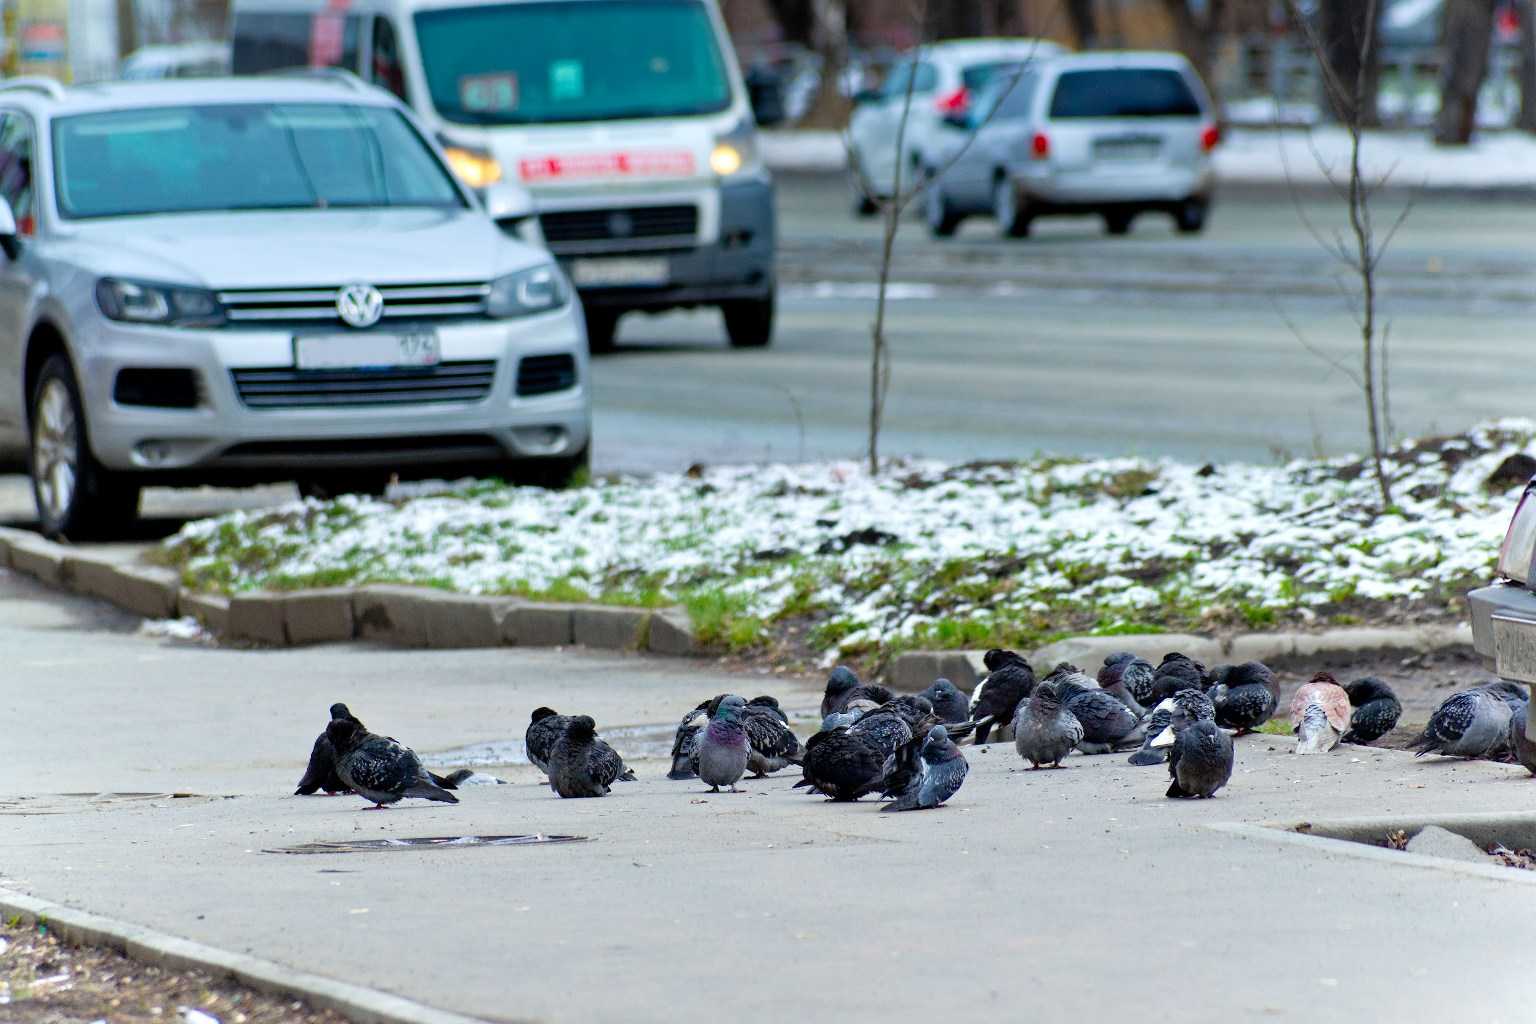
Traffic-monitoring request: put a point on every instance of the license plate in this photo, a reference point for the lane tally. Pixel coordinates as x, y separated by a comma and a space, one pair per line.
1126, 149
619, 272
366, 351
1514, 648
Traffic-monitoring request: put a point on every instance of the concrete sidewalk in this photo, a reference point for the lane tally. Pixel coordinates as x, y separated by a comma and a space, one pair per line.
1043, 896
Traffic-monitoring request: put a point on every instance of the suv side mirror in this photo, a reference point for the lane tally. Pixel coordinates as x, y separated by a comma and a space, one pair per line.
10, 240
506, 201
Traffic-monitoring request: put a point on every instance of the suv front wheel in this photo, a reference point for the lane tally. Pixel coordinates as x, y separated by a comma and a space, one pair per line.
76, 496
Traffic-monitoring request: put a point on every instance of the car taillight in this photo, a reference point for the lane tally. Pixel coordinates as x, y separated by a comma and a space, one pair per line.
1040, 146
1210, 137
1520, 542
955, 102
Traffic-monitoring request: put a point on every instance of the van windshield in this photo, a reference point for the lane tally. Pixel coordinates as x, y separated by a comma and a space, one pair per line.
243, 156
598, 60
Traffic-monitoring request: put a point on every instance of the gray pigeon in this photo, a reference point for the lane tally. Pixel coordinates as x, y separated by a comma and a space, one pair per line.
943, 772
948, 702
724, 748
321, 771
1201, 761
774, 746
1245, 696
1469, 723
545, 728
379, 768
685, 743
843, 687
887, 727
1156, 721
997, 699
1107, 721
1130, 678
582, 765
1377, 710
1044, 731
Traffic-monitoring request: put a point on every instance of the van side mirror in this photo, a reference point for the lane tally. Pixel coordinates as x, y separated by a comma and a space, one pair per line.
766, 92
10, 240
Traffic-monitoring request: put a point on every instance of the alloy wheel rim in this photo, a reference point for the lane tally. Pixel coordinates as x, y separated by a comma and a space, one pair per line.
55, 447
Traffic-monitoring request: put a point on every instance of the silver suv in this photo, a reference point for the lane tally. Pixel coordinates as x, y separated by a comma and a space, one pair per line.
231, 281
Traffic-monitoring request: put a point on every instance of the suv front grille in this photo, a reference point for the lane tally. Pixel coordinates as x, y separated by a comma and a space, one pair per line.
307, 389
312, 306
621, 228
543, 375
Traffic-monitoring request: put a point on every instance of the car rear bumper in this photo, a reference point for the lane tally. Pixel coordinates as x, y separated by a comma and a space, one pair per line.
227, 434
1162, 188
1504, 600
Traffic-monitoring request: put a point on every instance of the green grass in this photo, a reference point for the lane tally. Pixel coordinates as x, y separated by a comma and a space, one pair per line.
1276, 727
721, 619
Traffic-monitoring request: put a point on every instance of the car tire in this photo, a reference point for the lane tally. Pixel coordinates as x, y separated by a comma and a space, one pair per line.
864, 204
1012, 214
77, 498
1119, 223
369, 483
555, 474
602, 329
1190, 217
942, 219
749, 322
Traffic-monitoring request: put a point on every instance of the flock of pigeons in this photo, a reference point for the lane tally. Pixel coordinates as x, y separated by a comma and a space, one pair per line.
902, 748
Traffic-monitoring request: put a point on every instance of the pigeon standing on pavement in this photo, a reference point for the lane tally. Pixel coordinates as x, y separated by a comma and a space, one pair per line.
321, 771
1044, 731
1008, 684
1377, 710
841, 765
1245, 696
1468, 723
1521, 743
1176, 672
1130, 678
724, 748
843, 688
1201, 760
1156, 721
379, 768
581, 765
685, 742
1320, 714
773, 744
943, 771
1107, 722
948, 702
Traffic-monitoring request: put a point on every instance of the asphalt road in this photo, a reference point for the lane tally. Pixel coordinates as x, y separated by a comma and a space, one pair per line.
1224, 346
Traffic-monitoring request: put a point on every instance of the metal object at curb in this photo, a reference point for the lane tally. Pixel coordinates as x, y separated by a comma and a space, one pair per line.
425, 843
354, 1002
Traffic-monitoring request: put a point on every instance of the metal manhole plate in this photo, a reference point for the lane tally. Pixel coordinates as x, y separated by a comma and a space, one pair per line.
427, 843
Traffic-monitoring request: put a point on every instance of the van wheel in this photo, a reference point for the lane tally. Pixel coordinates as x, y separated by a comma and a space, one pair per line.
1189, 218
76, 496
1012, 214
1119, 223
942, 219
602, 327
749, 322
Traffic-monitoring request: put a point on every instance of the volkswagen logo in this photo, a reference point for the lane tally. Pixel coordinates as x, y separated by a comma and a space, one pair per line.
621, 225
360, 305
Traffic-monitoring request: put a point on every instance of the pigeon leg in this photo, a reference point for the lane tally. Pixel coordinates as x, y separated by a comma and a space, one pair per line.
714, 789
735, 790
377, 807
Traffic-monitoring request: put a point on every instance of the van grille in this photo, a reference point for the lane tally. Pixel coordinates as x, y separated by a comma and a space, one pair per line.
305, 389
621, 228
543, 375
311, 306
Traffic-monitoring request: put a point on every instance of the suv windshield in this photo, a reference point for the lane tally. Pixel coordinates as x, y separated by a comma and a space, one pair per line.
534, 63
1124, 92
247, 156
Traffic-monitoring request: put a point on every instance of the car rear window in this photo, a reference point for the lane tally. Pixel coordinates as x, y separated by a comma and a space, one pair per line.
1123, 92
978, 75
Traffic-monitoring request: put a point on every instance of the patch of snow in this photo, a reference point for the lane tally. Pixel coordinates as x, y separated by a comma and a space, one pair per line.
1408, 159
807, 151
187, 629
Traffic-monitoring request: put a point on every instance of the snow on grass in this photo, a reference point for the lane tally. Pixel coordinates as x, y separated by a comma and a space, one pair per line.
840, 564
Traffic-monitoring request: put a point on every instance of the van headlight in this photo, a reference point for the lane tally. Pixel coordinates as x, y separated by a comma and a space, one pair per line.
476, 168
1520, 541
735, 152
527, 292
144, 302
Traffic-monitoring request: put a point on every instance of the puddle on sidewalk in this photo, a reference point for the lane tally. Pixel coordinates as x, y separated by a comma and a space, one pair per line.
427, 843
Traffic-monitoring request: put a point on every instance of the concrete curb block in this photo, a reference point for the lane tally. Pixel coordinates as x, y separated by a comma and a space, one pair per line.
403, 616
356, 1003
914, 670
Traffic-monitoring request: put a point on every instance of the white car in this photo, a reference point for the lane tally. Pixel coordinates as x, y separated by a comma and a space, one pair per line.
949, 75
1112, 134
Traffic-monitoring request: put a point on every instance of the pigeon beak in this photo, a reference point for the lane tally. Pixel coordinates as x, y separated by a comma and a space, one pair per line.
1164, 738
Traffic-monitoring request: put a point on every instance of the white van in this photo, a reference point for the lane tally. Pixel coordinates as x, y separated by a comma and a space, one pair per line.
627, 120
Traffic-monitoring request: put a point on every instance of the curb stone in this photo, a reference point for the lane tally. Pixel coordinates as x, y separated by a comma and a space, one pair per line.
356, 1003
400, 615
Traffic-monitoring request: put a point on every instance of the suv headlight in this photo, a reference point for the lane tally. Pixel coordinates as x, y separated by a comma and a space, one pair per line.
144, 302
735, 152
1520, 542
538, 290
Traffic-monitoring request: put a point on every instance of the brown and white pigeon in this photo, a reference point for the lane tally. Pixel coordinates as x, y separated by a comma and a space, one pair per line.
1320, 713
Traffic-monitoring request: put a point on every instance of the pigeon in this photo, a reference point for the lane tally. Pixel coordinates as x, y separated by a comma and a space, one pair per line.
1156, 721
321, 772
841, 765
843, 687
943, 771
1520, 742
724, 748
1106, 720
1201, 761
1175, 673
1008, 683
685, 742
1245, 696
379, 768
1376, 710
842, 719
773, 744
545, 728
771, 704
1044, 731
1320, 714
581, 765
1130, 678
887, 727
1468, 723
948, 702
